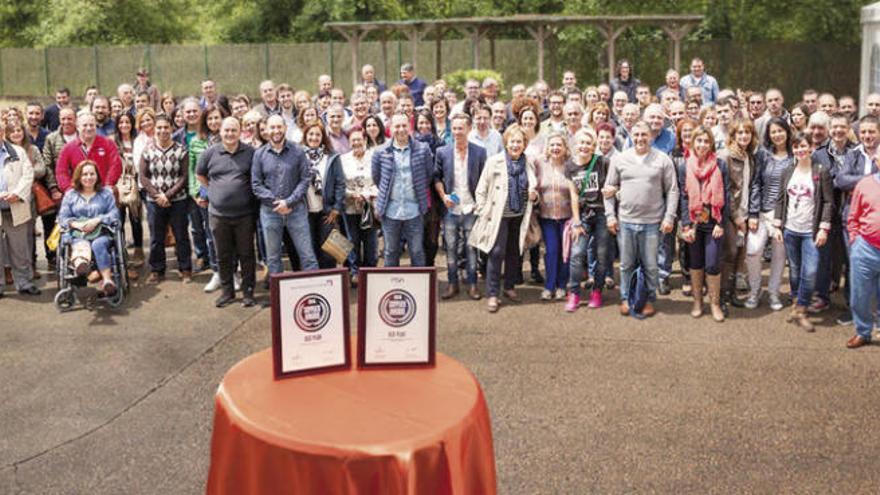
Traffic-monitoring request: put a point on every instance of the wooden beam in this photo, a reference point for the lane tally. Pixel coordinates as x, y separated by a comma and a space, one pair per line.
611, 34
540, 34
414, 34
677, 32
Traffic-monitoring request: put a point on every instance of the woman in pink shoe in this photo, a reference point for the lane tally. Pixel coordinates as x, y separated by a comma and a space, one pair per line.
586, 171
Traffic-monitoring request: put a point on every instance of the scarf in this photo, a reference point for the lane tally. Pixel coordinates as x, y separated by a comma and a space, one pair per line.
517, 182
704, 186
315, 154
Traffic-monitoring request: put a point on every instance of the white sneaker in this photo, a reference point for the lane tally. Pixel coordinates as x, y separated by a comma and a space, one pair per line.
775, 302
753, 300
236, 281
213, 284
560, 294
546, 295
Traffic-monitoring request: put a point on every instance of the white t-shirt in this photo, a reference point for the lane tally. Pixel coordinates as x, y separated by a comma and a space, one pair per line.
460, 185
801, 202
314, 197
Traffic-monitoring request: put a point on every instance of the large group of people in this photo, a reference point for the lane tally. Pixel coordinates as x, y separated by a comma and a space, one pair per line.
722, 180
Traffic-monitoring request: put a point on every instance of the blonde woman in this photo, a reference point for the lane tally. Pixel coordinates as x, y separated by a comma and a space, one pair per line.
554, 211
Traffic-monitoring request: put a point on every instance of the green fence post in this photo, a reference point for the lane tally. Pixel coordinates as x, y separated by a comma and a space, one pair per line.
149, 53
399, 53
266, 60
1, 73
46, 69
97, 68
206, 61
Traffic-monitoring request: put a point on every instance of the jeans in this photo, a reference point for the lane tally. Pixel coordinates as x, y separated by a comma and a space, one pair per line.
297, 222
639, 244
506, 251
365, 243
864, 279
596, 241
234, 238
830, 263
159, 218
705, 250
457, 228
197, 228
101, 250
431, 236
666, 254
556, 271
395, 231
803, 264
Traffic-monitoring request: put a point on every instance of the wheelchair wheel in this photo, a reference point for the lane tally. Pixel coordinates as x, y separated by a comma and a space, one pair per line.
65, 299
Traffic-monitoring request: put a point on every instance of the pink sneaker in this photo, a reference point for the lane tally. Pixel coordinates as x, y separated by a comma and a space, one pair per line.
596, 299
574, 301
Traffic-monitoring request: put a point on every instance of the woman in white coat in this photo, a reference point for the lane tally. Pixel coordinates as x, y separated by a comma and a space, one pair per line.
504, 200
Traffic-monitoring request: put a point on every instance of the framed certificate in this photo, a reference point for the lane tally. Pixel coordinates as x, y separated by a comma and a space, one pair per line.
397, 317
310, 324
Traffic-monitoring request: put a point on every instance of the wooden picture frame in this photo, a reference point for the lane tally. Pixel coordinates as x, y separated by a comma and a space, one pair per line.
320, 299
402, 305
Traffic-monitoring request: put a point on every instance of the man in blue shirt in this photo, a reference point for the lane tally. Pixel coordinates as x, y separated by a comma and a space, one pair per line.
416, 86
280, 178
698, 78
402, 170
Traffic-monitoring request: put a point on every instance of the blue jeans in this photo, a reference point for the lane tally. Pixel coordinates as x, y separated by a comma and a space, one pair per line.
457, 228
556, 272
198, 229
297, 223
639, 244
365, 241
395, 231
830, 263
201, 215
176, 215
595, 245
864, 279
666, 254
101, 251
803, 264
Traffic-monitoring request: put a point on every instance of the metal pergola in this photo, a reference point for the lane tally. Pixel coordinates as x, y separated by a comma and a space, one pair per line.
539, 27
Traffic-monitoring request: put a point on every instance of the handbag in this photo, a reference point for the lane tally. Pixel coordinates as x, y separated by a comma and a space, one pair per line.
42, 199
337, 246
128, 189
367, 217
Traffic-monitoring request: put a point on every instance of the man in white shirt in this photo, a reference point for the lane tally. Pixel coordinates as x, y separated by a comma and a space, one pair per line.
482, 134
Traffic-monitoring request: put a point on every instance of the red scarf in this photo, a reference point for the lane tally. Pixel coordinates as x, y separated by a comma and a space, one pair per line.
704, 186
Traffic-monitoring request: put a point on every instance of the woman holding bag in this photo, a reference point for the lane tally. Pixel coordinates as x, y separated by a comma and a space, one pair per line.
359, 195
504, 198
703, 206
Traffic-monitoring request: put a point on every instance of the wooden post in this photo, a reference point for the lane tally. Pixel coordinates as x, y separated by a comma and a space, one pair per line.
539, 34
676, 33
384, 42
438, 64
492, 52
611, 34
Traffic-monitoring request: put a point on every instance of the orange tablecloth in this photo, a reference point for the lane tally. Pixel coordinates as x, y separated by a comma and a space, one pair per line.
413, 431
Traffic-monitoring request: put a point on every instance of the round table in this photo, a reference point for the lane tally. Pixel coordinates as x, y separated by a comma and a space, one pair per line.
410, 431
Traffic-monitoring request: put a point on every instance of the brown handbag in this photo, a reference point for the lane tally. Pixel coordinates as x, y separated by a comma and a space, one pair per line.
42, 199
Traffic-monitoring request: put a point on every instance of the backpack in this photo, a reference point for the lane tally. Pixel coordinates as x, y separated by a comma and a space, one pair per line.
638, 293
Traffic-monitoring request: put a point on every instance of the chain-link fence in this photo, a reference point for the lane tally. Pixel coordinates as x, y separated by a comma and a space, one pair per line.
792, 67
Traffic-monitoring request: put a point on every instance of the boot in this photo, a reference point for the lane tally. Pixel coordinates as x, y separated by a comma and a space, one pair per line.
713, 282
798, 316
697, 288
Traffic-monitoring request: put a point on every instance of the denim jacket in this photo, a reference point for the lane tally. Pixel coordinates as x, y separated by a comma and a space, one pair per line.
75, 206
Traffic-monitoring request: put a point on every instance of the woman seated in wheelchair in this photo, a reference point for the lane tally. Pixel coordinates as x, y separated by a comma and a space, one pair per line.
88, 217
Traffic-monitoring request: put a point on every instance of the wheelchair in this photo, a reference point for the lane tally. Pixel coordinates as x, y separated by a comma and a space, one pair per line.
70, 284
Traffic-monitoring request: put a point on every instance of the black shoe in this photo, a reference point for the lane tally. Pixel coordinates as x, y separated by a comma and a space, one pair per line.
30, 291
537, 278
845, 319
224, 300
734, 300
664, 289
248, 300
266, 284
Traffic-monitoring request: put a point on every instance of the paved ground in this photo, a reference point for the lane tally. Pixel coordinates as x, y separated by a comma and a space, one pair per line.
104, 402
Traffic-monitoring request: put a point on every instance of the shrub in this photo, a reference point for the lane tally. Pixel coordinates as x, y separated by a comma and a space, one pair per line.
455, 80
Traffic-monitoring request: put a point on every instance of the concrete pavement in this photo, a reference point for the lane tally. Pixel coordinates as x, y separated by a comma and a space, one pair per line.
103, 402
